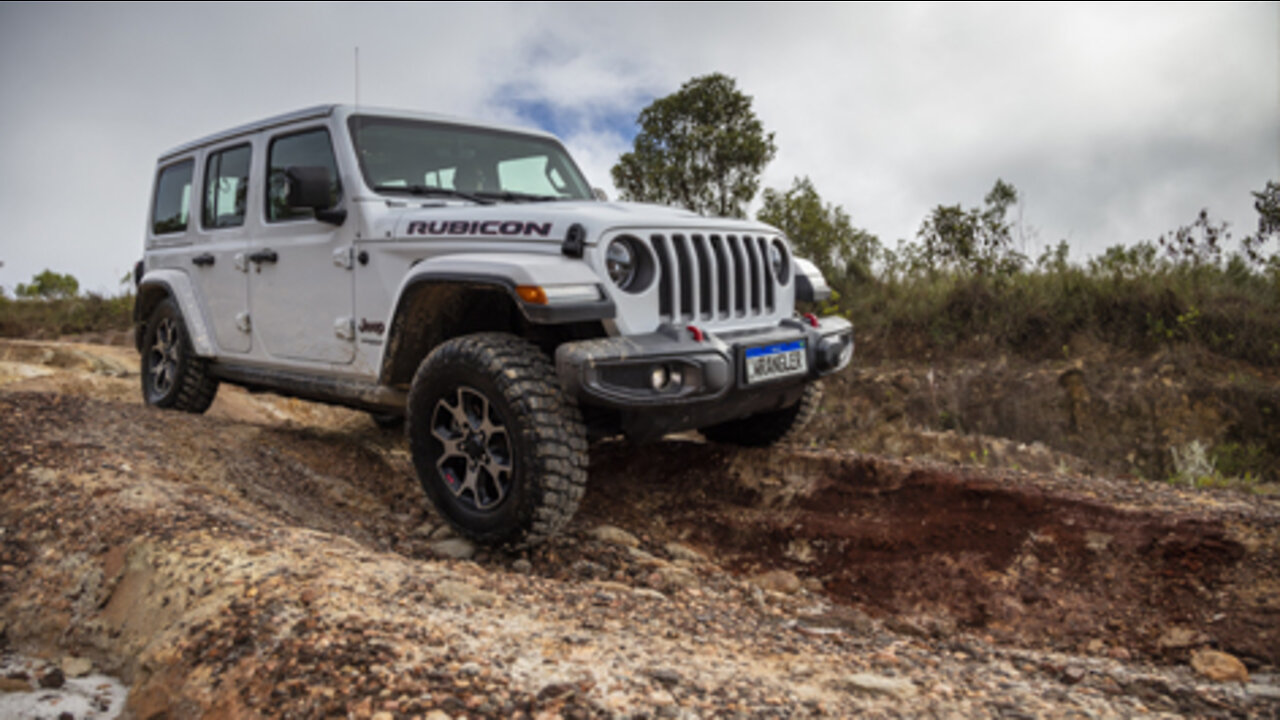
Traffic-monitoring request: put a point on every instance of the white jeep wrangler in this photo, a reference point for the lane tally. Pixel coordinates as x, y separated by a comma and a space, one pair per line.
465, 277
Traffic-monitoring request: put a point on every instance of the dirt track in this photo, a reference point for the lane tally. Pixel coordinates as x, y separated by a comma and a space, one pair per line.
275, 558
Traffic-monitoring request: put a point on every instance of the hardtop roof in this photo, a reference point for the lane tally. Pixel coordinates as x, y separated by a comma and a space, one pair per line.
343, 112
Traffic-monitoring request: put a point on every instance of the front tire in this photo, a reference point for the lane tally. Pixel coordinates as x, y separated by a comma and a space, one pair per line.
173, 376
499, 448
769, 428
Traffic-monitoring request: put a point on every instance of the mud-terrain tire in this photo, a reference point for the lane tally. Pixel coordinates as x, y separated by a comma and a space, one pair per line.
499, 449
768, 428
173, 376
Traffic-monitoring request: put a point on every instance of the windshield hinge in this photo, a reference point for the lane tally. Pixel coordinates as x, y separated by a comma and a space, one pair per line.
342, 257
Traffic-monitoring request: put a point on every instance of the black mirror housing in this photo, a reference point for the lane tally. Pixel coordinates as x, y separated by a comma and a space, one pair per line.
308, 187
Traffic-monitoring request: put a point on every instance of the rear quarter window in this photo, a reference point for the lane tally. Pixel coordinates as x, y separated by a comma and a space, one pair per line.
172, 207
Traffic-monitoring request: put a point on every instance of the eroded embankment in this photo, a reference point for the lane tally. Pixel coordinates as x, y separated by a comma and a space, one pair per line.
1030, 563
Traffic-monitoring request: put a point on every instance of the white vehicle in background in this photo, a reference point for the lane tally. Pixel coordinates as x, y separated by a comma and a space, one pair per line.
465, 277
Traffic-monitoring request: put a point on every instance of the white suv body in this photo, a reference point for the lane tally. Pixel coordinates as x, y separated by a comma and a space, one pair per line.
331, 252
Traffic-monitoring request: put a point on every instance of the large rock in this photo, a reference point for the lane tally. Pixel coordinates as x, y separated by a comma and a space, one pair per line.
611, 535
780, 581
1178, 637
872, 684
76, 666
1219, 666
454, 548
678, 551
463, 594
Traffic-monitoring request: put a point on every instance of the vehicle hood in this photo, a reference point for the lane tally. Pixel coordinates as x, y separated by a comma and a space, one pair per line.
550, 221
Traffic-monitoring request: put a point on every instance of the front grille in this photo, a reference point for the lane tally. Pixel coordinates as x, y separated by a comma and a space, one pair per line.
713, 277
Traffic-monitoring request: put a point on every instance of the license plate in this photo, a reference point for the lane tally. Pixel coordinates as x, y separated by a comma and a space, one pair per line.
768, 362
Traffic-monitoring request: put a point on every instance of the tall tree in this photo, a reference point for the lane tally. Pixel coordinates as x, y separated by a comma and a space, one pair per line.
820, 232
978, 240
701, 147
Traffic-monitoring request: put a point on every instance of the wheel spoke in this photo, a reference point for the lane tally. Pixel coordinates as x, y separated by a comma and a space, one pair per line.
470, 482
498, 476
475, 407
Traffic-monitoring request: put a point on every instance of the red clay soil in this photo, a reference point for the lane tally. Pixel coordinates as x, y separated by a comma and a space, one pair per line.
1022, 561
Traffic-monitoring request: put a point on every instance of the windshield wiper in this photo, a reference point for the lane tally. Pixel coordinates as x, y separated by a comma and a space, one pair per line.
510, 196
431, 190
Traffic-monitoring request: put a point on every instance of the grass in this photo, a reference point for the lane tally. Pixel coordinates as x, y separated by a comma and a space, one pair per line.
52, 318
1037, 314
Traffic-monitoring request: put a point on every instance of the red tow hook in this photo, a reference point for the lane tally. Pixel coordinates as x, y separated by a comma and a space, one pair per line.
698, 335
813, 319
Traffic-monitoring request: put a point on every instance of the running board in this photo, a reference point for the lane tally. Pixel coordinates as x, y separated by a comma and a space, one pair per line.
334, 391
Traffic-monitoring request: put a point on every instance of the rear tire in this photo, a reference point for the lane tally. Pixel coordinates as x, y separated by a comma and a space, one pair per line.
499, 448
769, 428
173, 376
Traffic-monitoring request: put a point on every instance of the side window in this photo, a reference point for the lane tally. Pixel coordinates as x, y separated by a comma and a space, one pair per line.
305, 149
173, 198
226, 188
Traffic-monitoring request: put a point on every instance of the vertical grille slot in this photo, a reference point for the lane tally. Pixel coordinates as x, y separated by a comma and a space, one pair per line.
739, 275
665, 275
756, 278
706, 278
685, 275
724, 270
769, 278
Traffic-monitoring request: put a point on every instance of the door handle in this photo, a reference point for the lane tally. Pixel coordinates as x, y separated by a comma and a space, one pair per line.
264, 256
204, 260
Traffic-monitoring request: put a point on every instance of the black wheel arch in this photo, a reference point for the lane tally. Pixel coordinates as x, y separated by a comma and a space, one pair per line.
435, 309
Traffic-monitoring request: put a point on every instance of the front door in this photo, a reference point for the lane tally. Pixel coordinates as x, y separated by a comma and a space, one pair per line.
301, 287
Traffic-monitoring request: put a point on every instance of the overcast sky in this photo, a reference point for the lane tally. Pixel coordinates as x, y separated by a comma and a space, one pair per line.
1115, 122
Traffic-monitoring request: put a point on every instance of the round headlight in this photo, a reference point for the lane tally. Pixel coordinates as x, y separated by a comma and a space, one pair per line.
778, 261
620, 262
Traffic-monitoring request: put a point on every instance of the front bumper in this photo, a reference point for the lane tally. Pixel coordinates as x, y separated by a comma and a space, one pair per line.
706, 370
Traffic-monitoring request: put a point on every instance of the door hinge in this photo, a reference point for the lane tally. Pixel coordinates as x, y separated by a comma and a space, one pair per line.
242, 322
342, 257
345, 328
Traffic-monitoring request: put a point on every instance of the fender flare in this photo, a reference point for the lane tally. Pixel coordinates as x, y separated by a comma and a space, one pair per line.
500, 274
507, 272
178, 286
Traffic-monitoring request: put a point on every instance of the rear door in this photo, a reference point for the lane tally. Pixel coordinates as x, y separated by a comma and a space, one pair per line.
217, 265
301, 287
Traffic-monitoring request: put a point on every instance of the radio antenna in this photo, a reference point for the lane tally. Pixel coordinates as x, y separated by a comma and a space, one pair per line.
357, 76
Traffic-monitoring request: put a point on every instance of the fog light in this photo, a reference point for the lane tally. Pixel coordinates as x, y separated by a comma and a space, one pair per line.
658, 377
666, 377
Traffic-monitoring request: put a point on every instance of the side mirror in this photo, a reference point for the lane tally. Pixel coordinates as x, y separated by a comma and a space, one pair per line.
309, 188
600, 194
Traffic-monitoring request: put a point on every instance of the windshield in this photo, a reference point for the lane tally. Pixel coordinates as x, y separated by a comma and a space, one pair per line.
426, 158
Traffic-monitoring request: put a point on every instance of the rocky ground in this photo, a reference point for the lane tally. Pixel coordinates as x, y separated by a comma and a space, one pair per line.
275, 558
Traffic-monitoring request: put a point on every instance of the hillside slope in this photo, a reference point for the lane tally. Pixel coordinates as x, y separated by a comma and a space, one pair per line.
276, 558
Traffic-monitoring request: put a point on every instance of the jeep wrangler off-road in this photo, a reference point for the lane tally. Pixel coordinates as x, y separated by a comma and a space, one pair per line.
464, 277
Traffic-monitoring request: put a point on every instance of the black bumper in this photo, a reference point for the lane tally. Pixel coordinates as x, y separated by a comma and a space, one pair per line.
617, 373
